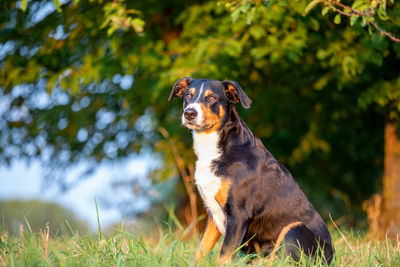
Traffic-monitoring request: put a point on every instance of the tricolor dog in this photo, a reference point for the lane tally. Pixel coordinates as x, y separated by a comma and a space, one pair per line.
251, 198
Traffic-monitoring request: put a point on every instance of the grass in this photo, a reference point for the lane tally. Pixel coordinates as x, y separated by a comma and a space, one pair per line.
164, 247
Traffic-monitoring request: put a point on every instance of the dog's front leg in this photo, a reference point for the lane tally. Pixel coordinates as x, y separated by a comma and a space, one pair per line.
210, 237
235, 231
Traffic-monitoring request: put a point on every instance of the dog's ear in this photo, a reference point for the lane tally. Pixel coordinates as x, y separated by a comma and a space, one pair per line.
235, 93
179, 87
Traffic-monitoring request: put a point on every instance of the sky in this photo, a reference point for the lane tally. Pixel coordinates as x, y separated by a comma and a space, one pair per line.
21, 181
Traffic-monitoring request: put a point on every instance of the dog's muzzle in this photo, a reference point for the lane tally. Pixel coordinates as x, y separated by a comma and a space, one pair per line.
190, 114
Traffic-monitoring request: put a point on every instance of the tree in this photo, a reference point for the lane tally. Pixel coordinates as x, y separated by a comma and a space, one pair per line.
369, 12
383, 89
387, 95
311, 80
65, 77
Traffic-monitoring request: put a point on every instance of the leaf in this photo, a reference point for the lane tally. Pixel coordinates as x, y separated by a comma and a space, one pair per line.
57, 4
24, 5
321, 82
282, 3
325, 10
353, 20
233, 48
357, 4
138, 24
111, 30
311, 5
74, 85
362, 7
382, 12
259, 52
250, 16
51, 83
337, 19
364, 21
292, 55
244, 8
257, 31
235, 15
370, 29
383, 17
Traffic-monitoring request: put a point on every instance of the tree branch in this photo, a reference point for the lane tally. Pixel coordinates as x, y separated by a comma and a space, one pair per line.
187, 178
340, 8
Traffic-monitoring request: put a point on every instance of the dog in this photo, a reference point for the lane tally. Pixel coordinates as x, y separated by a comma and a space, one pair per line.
251, 198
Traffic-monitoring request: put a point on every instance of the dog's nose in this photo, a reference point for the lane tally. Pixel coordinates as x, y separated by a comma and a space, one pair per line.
190, 114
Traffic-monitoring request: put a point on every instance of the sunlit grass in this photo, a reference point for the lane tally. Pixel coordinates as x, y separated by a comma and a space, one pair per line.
165, 247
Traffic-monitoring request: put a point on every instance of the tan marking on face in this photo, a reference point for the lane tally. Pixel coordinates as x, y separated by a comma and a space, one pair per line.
207, 93
230, 91
192, 91
212, 120
210, 237
182, 86
281, 236
222, 195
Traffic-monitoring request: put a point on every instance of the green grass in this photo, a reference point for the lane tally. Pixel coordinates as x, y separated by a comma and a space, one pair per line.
164, 247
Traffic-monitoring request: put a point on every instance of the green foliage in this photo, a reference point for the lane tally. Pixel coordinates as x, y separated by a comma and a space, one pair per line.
370, 12
90, 83
118, 17
33, 216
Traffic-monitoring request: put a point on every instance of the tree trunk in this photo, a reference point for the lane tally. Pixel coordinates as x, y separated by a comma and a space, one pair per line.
390, 219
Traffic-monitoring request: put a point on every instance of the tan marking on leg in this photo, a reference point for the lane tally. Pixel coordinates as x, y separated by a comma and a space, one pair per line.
210, 237
222, 195
281, 236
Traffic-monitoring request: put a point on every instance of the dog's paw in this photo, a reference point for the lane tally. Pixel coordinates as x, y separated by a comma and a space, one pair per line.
224, 259
198, 255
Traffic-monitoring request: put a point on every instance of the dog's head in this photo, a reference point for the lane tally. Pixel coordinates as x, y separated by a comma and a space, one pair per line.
206, 102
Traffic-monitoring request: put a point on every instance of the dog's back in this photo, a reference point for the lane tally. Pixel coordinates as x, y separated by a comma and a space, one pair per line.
264, 191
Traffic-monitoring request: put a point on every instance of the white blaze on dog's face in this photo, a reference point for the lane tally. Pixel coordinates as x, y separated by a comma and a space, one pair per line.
206, 107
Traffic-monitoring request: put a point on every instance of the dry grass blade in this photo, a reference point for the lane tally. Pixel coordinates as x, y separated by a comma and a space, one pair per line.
45, 238
344, 238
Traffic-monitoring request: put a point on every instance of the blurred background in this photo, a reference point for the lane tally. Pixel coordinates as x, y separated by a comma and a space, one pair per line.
85, 122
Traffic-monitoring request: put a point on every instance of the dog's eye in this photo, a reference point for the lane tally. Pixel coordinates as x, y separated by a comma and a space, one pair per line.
188, 96
211, 98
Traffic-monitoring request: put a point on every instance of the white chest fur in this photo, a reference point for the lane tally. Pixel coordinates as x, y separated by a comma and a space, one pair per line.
206, 148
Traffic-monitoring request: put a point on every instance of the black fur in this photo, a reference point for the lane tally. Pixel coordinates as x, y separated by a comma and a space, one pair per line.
239, 94
301, 239
263, 197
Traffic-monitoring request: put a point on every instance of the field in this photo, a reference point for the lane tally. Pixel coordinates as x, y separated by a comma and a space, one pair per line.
165, 247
